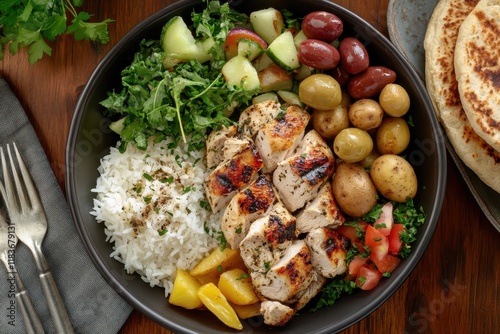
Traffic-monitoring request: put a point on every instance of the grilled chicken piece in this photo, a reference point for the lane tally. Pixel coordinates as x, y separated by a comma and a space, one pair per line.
275, 313
321, 211
312, 290
286, 279
277, 139
249, 204
233, 146
256, 115
328, 251
231, 176
215, 144
299, 177
267, 239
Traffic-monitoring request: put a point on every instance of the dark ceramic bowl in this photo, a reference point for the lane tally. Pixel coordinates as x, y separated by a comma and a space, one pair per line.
90, 139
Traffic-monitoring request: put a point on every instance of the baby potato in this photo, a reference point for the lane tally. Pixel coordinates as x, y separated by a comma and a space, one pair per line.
352, 144
237, 286
369, 159
394, 177
328, 123
394, 100
353, 189
393, 135
366, 114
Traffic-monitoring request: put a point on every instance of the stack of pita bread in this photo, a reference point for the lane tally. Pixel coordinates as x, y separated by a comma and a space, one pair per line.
462, 71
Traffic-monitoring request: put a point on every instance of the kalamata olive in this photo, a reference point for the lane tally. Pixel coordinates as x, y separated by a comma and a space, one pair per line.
394, 100
370, 82
353, 55
322, 25
366, 114
341, 75
320, 91
352, 144
318, 54
393, 135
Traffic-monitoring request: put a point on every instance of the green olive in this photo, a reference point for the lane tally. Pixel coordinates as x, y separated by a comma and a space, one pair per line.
394, 100
352, 145
320, 91
393, 135
366, 114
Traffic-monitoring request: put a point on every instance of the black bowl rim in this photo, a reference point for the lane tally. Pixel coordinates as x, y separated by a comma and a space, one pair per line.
372, 304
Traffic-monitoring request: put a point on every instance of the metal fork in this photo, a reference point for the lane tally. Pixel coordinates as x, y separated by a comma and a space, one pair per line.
8, 244
27, 213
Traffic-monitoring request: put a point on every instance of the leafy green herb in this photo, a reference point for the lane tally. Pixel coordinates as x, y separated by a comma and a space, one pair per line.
238, 230
168, 180
374, 214
333, 291
243, 276
219, 268
147, 177
411, 218
187, 189
147, 200
162, 232
30, 24
267, 265
186, 101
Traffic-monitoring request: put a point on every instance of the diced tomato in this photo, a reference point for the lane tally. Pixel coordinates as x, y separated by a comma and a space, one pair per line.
350, 231
378, 243
395, 242
368, 278
386, 220
234, 35
356, 263
387, 264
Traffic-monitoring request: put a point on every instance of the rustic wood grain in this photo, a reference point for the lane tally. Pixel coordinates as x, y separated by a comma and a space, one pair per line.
454, 288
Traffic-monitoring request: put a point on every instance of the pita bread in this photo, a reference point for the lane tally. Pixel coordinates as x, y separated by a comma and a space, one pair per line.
439, 45
477, 69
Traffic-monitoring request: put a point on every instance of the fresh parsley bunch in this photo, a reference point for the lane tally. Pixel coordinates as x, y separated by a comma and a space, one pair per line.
31, 23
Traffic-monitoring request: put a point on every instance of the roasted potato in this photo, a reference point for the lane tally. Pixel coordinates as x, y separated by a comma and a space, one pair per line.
353, 189
394, 177
328, 123
366, 114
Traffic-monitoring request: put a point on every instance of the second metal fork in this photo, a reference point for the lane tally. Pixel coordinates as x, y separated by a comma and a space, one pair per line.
27, 213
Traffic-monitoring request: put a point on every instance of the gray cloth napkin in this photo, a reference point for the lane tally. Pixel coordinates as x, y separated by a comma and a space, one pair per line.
93, 306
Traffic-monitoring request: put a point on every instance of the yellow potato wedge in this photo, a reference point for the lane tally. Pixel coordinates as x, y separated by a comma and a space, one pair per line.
236, 285
215, 301
185, 291
216, 262
247, 311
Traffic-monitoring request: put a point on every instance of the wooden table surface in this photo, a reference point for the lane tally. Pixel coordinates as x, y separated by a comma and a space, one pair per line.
456, 285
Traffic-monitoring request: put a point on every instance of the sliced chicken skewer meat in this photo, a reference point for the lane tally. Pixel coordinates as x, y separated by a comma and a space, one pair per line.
328, 251
277, 139
321, 211
248, 205
285, 280
215, 144
276, 313
231, 176
257, 115
268, 238
299, 177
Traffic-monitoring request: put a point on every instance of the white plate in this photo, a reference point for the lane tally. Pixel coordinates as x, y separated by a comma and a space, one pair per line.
407, 22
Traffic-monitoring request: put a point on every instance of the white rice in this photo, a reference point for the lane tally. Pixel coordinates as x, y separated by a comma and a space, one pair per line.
176, 196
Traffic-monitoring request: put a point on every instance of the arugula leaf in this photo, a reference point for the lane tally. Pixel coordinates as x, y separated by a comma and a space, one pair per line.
29, 24
185, 101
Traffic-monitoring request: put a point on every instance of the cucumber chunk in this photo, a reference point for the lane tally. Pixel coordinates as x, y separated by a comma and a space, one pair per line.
283, 52
239, 71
